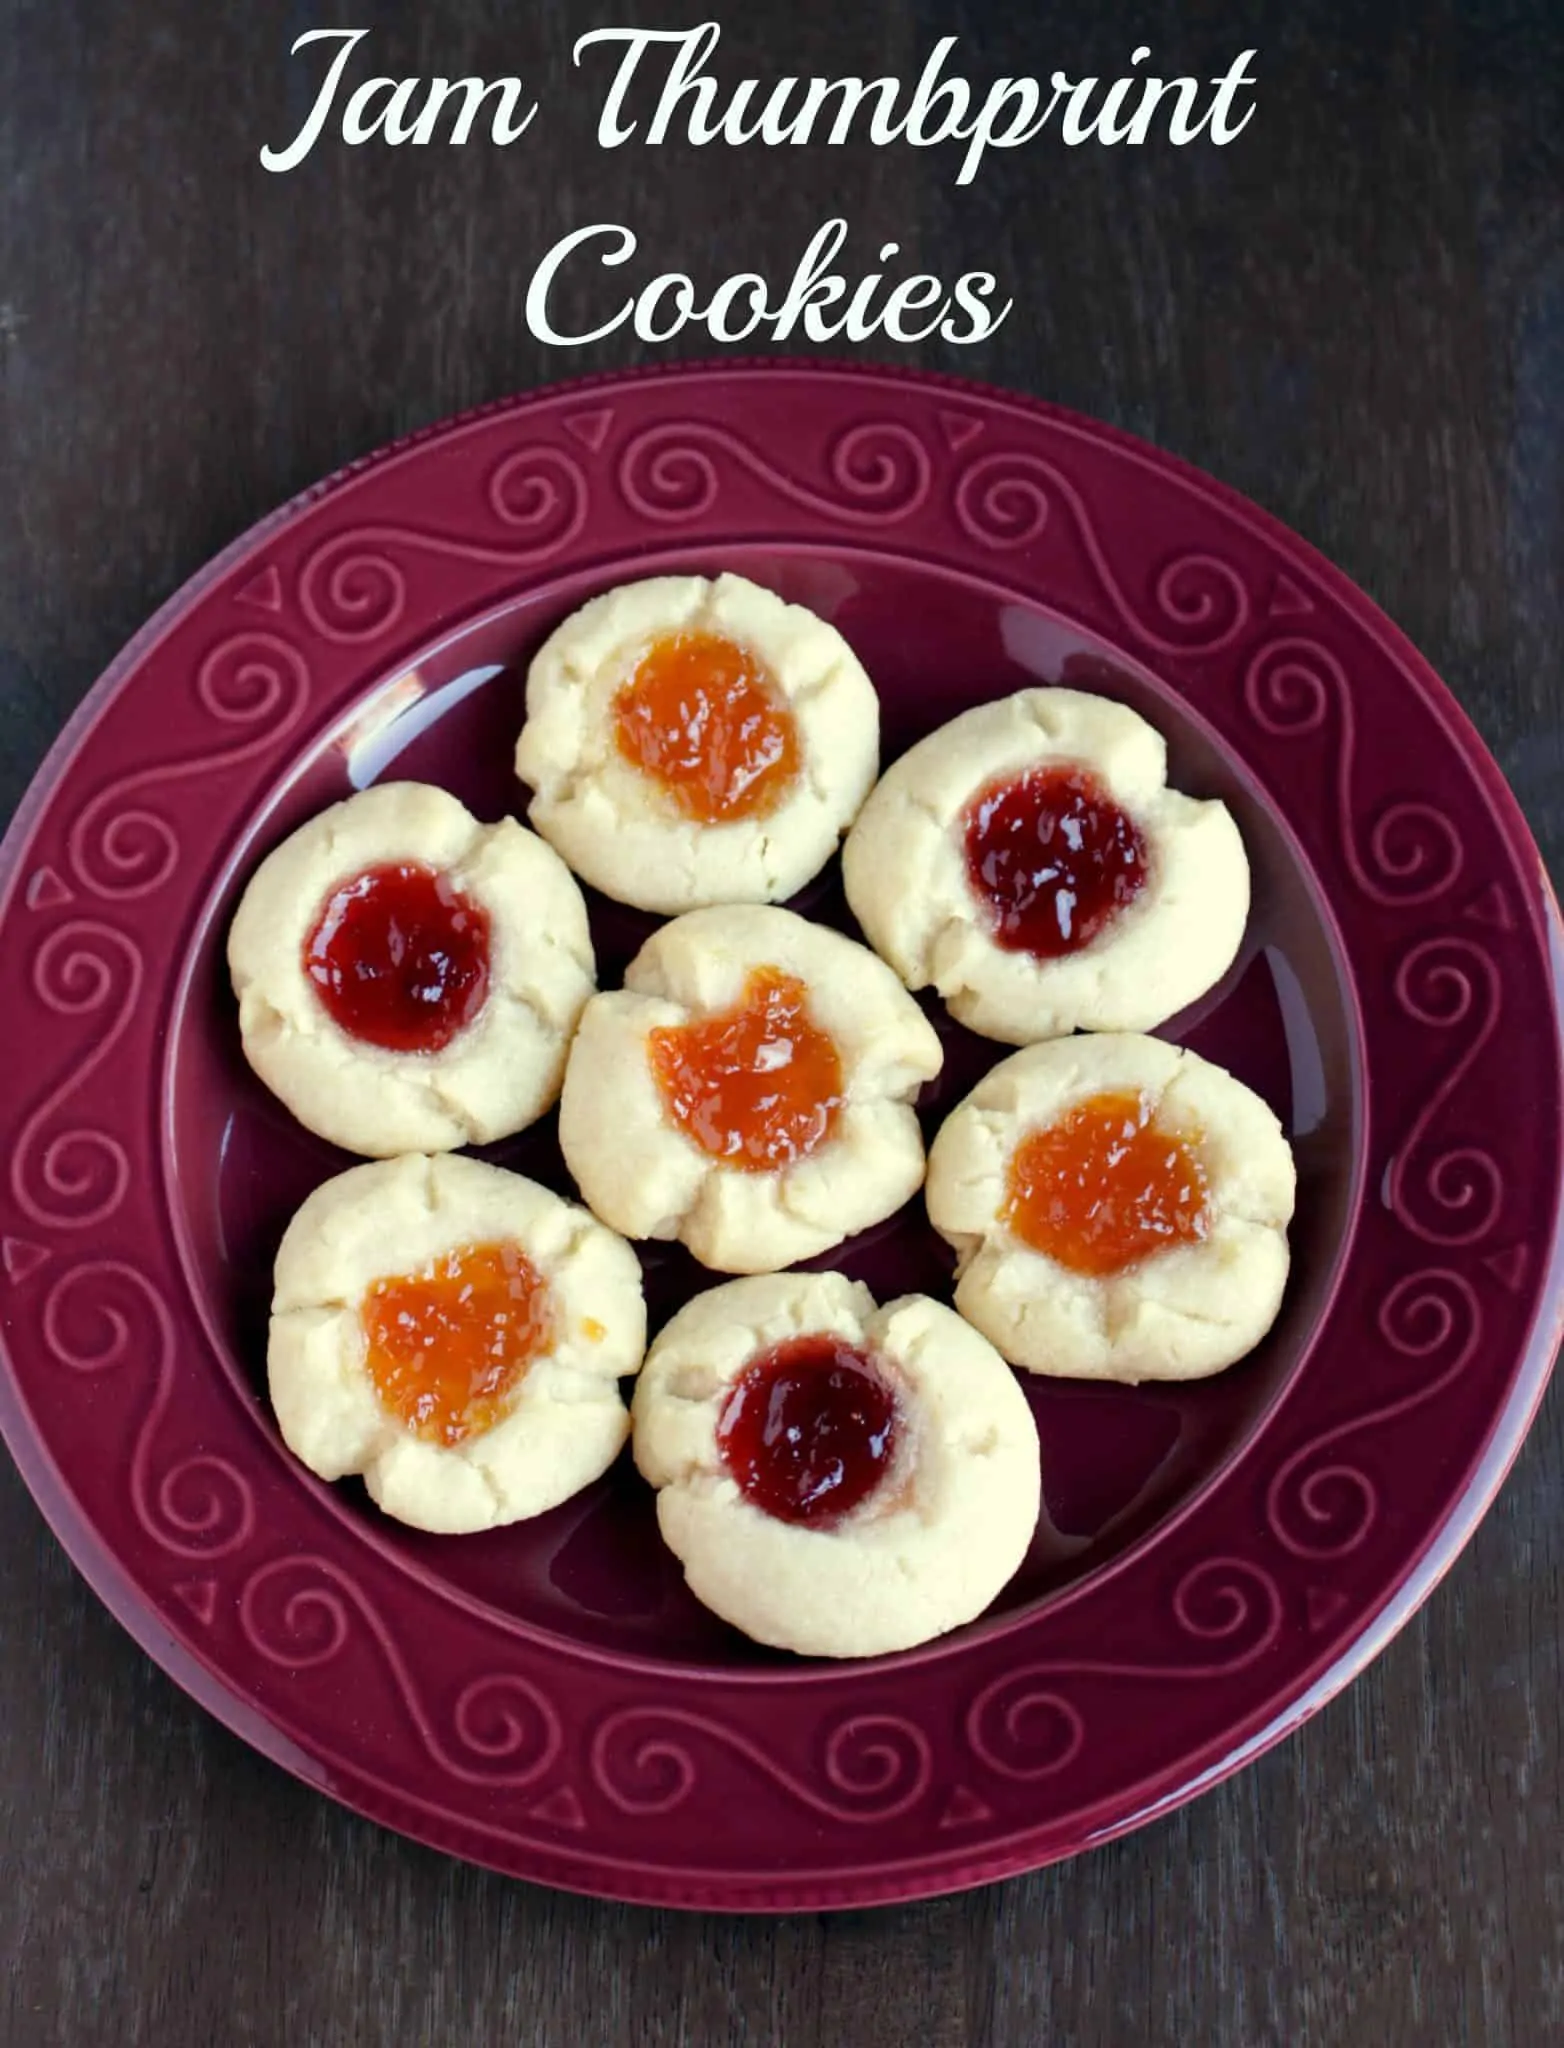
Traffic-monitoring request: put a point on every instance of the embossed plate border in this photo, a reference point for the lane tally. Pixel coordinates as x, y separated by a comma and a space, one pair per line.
747, 1789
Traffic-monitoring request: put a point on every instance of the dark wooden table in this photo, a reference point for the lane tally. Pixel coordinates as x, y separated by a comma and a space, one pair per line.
1355, 313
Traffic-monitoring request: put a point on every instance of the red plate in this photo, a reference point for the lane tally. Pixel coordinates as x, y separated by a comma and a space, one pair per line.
1214, 1561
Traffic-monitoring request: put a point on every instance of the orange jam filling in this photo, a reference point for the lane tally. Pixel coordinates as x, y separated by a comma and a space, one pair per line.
757, 1086
448, 1346
702, 715
1103, 1188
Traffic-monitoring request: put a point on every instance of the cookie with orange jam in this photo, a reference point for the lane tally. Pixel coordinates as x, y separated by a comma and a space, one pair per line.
749, 1091
836, 1479
1119, 1210
1030, 863
692, 742
408, 979
456, 1334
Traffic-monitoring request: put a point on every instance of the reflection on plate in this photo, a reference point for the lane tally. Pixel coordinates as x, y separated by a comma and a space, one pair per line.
1213, 1558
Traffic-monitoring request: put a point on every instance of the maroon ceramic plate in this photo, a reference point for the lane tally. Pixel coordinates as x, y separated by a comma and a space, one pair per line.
1213, 1561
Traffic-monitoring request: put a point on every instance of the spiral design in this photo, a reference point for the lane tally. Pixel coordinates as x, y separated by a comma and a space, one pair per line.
351, 590
1320, 1506
649, 1776
206, 1504
665, 477
256, 680
645, 1761
1288, 687
1413, 853
879, 470
308, 1629
1025, 1725
1000, 502
1428, 1313
541, 493
1457, 1200
1328, 1512
1230, 1601
878, 1758
1434, 987
501, 1717
302, 1612
1022, 1727
1006, 500
96, 1317
121, 850
876, 472
76, 1178
124, 854
86, 1336
1204, 595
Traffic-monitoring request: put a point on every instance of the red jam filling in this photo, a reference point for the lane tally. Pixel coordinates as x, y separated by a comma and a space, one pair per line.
809, 1430
1103, 1188
702, 716
757, 1086
1052, 859
447, 1347
399, 957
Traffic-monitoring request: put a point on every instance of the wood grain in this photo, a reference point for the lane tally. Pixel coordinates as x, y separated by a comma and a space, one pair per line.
1355, 314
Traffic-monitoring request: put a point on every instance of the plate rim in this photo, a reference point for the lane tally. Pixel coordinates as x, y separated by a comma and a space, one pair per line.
108, 1577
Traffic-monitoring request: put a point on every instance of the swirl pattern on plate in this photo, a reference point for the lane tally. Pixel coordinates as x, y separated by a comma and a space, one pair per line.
1384, 797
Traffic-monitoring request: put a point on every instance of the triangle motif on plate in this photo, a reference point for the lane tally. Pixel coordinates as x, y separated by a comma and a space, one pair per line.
1287, 600
263, 591
45, 890
1491, 906
200, 1596
964, 1809
20, 1258
1321, 1605
590, 428
1509, 1267
561, 1809
958, 429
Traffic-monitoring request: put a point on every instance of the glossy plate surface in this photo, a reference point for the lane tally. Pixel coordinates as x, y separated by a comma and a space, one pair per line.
1213, 1561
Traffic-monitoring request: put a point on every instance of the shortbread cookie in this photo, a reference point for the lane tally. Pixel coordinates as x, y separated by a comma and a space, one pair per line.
456, 1334
1029, 861
749, 1090
836, 1478
695, 742
1119, 1209
409, 979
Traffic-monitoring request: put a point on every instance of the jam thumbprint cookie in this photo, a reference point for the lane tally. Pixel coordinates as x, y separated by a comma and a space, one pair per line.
1030, 862
692, 742
836, 1479
457, 1335
409, 979
749, 1090
1119, 1210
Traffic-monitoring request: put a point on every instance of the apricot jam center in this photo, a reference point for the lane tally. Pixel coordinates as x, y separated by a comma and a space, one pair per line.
809, 1430
702, 716
1103, 1188
448, 1346
1052, 859
757, 1086
399, 957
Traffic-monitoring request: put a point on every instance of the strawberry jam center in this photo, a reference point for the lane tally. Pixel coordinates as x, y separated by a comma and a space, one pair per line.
399, 957
1103, 1188
757, 1086
809, 1430
702, 716
1052, 859
448, 1346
